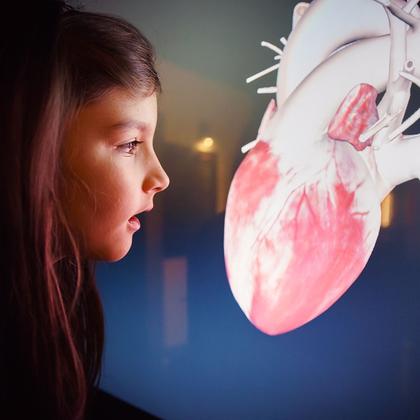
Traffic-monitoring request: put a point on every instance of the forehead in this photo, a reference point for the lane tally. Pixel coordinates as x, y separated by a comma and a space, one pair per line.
119, 109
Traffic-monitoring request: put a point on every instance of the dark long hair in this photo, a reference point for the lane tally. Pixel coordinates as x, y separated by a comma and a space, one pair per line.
54, 59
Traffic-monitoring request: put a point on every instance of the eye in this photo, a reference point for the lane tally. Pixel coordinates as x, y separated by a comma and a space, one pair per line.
131, 146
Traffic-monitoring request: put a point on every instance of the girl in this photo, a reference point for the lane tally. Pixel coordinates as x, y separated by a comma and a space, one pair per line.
77, 118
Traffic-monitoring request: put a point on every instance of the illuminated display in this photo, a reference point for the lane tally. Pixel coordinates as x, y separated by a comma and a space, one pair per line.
304, 207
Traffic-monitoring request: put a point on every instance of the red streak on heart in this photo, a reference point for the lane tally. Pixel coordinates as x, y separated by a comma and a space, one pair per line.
326, 255
255, 179
356, 113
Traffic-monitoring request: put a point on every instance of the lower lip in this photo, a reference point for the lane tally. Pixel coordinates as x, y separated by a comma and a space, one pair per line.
134, 223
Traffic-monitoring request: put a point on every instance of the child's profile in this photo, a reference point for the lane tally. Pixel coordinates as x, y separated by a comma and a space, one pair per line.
109, 146
78, 112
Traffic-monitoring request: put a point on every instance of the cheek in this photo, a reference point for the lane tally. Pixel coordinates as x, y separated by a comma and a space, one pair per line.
92, 193
105, 218
111, 195
100, 192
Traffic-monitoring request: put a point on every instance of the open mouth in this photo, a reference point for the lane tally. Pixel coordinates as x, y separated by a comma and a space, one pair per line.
134, 222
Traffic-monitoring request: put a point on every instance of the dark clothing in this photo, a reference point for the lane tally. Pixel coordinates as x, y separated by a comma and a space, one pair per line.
103, 405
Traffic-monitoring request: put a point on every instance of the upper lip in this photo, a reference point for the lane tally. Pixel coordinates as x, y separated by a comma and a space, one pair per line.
146, 209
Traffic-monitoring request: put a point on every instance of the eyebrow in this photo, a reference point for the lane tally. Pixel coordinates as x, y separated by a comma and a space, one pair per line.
140, 125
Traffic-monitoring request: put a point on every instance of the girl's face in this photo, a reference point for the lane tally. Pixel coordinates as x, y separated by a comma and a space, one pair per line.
109, 177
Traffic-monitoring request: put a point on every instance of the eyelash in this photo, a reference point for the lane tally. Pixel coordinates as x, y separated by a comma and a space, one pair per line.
133, 144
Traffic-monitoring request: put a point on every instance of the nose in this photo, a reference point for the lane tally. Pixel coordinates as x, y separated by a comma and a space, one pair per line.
156, 179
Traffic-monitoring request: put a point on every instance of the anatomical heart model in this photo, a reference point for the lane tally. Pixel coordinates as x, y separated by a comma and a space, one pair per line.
303, 212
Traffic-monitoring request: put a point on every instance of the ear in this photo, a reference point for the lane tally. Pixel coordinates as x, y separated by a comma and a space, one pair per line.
298, 12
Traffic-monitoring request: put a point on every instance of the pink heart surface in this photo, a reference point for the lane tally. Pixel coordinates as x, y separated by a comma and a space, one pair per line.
296, 239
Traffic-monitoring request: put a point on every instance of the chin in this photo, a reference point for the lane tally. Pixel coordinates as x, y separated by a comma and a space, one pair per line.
111, 254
